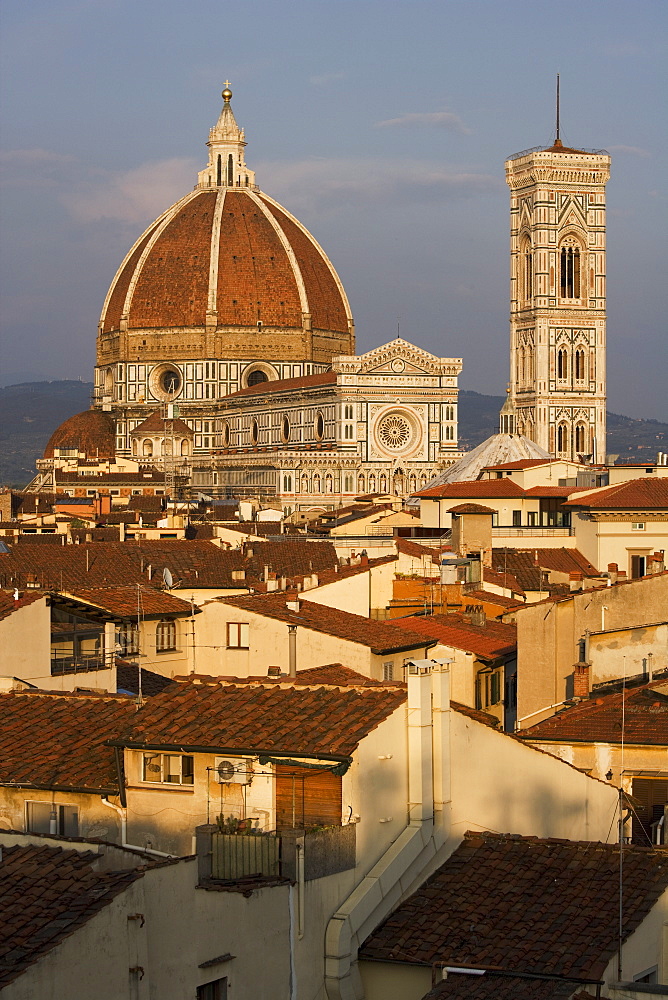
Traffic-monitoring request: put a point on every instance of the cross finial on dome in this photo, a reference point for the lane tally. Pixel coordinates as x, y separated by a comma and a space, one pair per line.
227, 93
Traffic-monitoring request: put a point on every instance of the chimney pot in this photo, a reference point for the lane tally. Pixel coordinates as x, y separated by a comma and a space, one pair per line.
581, 680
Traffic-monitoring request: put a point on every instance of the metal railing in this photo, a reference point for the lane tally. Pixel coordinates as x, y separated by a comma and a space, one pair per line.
532, 531
241, 855
76, 664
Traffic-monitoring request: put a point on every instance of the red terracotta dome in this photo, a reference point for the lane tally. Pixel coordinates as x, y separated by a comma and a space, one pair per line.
92, 433
235, 254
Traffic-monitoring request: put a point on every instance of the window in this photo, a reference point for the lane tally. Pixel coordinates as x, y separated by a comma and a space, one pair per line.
528, 271
49, 817
287, 484
637, 526
217, 990
638, 567
285, 430
168, 768
256, 377
570, 270
388, 670
563, 438
127, 637
165, 636
562, 363
580, 365
487, 688
580, 439
532, 518
237, 635
517, 518
319, 426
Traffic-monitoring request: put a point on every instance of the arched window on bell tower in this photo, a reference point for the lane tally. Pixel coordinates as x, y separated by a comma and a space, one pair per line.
230, 170
569, 263
579, 365
580, 439
563, 439
526, 265
562, 363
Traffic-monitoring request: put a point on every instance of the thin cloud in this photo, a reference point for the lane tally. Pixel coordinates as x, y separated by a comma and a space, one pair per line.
631, 150
135, 196
313, 185
37, 157
420, 119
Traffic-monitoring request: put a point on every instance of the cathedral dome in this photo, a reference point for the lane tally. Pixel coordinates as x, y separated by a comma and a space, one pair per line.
228, 263
91, 433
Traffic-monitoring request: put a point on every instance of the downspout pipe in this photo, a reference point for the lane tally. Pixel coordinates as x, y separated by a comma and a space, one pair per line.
123, 814
392, 876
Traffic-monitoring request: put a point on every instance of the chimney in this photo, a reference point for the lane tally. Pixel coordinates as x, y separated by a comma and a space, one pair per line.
612, 571
293, 605
273, 671
575, 580
581, 680
292, 650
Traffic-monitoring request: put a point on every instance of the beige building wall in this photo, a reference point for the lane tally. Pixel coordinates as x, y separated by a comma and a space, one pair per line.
627, 652
170, 945
95, 819
25, 642
548, 636
269, 646
611, 539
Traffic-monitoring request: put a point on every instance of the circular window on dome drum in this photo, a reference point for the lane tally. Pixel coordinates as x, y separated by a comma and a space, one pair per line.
255, 432
257, 377
396, 431
285, 430
166, 382
319, 426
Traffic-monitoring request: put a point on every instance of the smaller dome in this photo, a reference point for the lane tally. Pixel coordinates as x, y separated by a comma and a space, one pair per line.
92, 433
495, 450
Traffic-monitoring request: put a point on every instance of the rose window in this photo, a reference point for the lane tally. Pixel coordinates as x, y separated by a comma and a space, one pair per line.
394, 431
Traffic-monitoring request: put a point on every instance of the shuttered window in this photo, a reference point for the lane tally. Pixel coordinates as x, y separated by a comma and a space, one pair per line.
307, 797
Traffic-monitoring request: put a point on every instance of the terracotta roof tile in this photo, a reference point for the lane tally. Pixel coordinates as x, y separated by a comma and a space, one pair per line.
8, 605
636, 494
155, 424
92, 432
598, 719
45, 894
485, 595
489, 641
50, 740
478, 489
286, 385
127, 602
380, 637
471, 508
260, 717
524, 905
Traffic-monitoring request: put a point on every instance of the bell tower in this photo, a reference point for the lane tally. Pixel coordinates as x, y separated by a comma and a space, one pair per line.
557, 297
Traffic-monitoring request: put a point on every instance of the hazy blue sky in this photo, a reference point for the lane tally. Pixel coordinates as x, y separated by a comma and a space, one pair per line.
383, 125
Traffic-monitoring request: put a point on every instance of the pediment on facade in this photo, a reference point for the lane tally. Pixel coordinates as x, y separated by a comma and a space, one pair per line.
400, 358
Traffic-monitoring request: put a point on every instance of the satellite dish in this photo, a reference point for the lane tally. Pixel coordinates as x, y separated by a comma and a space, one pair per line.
167, 578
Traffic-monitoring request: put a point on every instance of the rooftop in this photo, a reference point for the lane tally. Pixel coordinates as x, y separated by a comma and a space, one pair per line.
53, 740
636, 494
204, 713
380, 637
46, 893
8, 605
523, 905
130, 602
598, 719
286, 385
489, 641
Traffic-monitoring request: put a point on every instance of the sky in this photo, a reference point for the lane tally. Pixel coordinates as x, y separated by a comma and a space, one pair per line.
383, 125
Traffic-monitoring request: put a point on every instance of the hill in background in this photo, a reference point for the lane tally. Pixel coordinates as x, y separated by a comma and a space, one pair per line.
30, 412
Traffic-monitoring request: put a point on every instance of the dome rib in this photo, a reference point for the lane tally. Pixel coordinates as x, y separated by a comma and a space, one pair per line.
328, 303
172, 287
296, 270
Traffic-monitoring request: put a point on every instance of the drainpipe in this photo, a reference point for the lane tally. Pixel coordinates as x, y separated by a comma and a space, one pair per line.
124, 831
389, 880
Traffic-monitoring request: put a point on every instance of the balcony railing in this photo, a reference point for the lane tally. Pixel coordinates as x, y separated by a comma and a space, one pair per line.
499, 531
232, 856
76, 664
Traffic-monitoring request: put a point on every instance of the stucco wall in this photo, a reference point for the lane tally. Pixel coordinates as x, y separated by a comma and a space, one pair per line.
608, 541
25, 642
352, 594
620, 653
548, 635
95, 819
